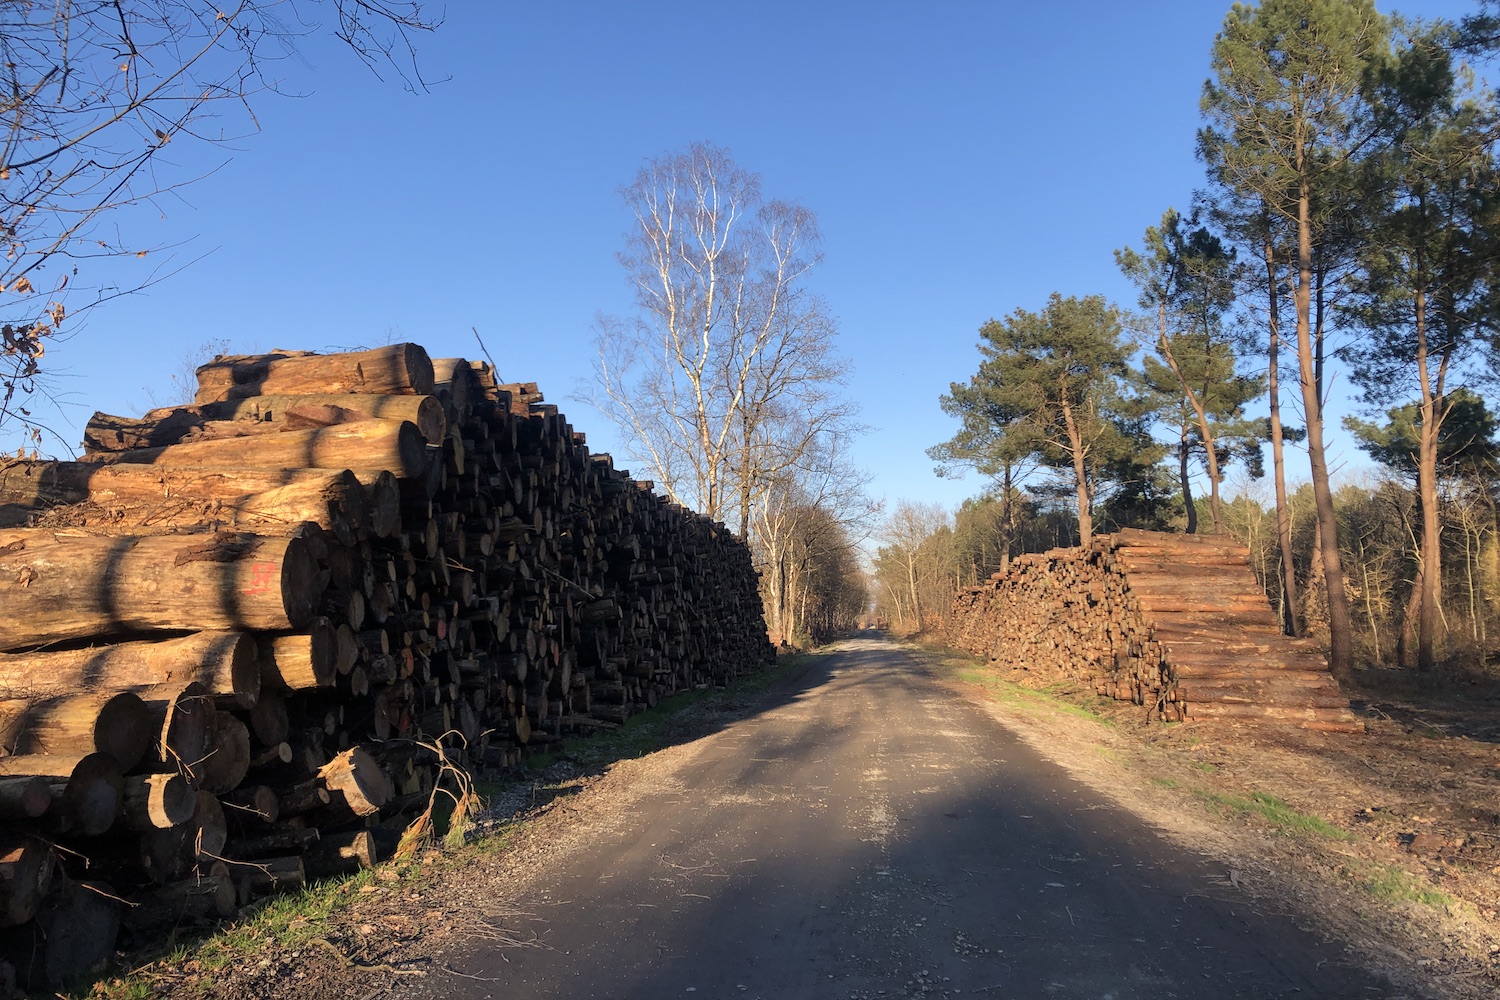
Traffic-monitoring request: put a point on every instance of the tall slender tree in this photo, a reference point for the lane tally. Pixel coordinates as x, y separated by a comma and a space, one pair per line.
1286, 113
1425, 288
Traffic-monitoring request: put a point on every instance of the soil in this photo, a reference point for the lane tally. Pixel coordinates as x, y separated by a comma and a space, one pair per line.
1408, 877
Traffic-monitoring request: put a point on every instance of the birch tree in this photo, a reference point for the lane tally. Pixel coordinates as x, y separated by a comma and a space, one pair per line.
728, 373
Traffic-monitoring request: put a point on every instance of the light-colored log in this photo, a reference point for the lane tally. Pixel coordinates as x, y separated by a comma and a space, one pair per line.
364, 444
355, 778
300, 661
225, 663
399, 369
57, 585
118, 724
158, 801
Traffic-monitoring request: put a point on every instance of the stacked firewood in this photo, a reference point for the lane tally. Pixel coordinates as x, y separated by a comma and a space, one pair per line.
244, 637
1175, 623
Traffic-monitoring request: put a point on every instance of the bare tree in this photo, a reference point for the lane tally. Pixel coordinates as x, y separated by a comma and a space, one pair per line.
728, 374
805, 514
916, 547
93, 91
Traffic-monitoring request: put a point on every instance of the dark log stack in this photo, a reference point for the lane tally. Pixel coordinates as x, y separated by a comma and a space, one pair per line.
1175, 623
239, 633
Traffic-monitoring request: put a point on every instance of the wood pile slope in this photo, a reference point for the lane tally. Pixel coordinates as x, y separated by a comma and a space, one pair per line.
244, 638
1175, 623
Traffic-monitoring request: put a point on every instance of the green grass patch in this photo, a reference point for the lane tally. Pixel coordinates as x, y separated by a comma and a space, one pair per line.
1392, 885
1166, 782
1204, 766
1272, 810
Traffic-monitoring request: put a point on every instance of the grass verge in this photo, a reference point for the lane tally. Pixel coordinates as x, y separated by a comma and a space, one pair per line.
1276, 812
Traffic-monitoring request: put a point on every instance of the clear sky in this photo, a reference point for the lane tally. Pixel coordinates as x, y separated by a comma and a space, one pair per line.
965, 159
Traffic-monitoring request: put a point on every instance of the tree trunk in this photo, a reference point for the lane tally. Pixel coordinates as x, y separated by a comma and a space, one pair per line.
1427, 460
1288, 568
1080, 477
1187, 483
1340, 634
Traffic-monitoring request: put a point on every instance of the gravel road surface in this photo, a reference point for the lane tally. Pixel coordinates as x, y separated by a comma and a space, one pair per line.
861, 833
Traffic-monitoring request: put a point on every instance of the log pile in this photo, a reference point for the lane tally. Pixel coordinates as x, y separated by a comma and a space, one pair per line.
1175, 623
243, 636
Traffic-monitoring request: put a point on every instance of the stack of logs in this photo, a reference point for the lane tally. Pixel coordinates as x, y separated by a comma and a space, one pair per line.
1176, 623
243, 637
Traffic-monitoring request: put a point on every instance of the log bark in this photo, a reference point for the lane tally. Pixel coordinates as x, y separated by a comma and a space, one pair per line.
27, 865
59, 586
355, 779
116, 724
275, 413
399, 369
158, 801
124, 495
300, 661
225, 663
86, 789
364, 444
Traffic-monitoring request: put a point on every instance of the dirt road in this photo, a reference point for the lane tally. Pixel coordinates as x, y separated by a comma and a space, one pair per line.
864, 833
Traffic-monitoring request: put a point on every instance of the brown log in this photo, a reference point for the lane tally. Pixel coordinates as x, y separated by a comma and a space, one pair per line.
365, 444
27, 865
158, 801
169, 855
275, 841
354, 779
300, 661
400, 370
180, 716
71, 940
59, 586
270, 875
121, 495
23, 798
196, 899
226, 759
223, 662
118, 724
86, 789
382, 501
281, 412
271, 723
342, 854
251, 805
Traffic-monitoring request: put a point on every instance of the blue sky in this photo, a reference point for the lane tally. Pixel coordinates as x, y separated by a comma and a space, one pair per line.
965, 159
